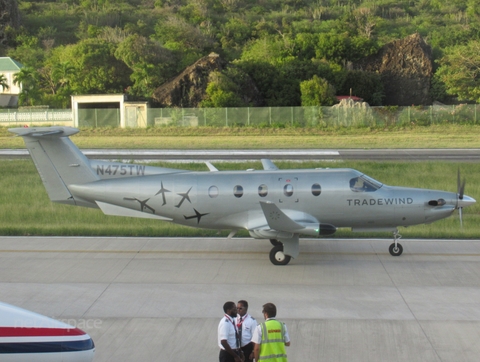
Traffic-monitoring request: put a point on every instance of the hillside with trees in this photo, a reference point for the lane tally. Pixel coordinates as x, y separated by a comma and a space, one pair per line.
292, 50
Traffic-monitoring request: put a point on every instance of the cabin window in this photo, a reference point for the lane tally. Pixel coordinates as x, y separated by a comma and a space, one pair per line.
364, 184
262, 190
288, 190
238, 191
316, 189
213, 191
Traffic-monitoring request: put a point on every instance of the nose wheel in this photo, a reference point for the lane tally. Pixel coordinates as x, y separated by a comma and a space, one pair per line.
277, 256
396, 249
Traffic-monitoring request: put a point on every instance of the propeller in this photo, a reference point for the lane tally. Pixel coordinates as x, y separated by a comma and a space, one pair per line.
460, 192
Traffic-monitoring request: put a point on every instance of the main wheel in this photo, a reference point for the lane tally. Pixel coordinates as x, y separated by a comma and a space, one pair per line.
275, 242
277, 257
395, 251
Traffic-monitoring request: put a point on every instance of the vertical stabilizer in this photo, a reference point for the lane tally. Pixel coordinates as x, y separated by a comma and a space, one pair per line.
59, 162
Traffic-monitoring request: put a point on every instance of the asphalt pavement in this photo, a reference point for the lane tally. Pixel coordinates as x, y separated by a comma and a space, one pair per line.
160, 299
454, 155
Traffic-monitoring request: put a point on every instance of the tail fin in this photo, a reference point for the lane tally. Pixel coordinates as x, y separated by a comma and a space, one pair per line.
59, 162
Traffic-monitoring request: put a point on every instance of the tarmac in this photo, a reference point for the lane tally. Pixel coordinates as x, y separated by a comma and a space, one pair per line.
160, 299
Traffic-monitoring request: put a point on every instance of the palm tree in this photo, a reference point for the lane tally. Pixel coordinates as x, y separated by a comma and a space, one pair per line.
26, 78
62, 73
3, 82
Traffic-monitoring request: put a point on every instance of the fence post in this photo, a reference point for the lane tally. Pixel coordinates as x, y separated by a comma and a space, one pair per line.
226, 116
248, 116
453, 113
291, 111
270, 115
431, 115
475, 114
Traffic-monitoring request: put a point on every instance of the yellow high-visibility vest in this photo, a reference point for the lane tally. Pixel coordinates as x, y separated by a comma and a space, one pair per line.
272, 347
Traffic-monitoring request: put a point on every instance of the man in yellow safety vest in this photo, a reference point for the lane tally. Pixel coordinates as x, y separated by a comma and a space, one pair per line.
270, 337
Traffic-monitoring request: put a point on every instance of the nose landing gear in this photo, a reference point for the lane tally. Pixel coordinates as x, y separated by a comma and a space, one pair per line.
396, 249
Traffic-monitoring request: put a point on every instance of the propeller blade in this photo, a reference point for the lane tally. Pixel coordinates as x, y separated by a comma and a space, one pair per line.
460, 187
460, 193
461, 217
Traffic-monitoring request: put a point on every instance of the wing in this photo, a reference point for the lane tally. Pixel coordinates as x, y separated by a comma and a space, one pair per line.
287, 228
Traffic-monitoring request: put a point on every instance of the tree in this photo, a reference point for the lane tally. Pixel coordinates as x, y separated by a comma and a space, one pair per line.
27, 79
3, 83
317, 92
460, 71
151, 63
96, 69
222, 92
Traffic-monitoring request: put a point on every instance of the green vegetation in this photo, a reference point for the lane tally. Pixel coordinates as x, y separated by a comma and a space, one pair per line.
103, 46
438, 136
26, 209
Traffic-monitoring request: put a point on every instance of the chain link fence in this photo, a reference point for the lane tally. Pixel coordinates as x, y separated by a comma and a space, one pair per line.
336, 116
355, 115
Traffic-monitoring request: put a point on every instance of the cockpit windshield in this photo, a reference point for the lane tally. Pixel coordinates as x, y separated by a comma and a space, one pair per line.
364, 184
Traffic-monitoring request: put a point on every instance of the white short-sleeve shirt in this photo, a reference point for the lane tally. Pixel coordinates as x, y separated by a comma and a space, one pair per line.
248, 326
226, 330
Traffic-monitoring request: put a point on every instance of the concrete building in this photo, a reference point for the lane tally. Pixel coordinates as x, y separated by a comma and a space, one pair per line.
108, 110
9, 95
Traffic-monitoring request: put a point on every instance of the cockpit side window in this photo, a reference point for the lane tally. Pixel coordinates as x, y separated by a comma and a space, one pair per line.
364, 184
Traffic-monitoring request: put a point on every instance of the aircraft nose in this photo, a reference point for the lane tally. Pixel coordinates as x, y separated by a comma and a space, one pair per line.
466, 201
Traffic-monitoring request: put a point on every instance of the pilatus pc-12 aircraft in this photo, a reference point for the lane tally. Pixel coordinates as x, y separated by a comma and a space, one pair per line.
274, 204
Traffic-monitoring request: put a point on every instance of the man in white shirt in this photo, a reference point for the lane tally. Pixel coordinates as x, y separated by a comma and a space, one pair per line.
246, 324
228, 340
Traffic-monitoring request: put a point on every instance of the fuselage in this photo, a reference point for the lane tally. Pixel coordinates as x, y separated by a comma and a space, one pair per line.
27, 336
231, 200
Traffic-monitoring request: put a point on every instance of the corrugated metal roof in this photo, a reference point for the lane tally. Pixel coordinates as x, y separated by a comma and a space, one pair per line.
8, 64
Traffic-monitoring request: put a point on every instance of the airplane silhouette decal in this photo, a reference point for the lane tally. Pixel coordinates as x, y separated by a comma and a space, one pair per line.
163, 191
274, 204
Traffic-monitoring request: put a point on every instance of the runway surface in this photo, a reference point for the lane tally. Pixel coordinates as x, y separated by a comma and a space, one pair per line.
160, 299
454, 155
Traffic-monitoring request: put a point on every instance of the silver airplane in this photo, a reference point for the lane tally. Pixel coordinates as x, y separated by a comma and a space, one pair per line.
274, 204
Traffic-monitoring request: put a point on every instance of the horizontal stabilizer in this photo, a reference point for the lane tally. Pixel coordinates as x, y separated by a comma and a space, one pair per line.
44, 131
114, 210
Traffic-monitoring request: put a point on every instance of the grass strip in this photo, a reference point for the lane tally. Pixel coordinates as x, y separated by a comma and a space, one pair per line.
435, 136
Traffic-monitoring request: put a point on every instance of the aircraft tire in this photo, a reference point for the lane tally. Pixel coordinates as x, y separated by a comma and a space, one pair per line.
277, 257
395, 251
275, 242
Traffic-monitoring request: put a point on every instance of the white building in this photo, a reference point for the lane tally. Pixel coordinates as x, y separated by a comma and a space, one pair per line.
9, 96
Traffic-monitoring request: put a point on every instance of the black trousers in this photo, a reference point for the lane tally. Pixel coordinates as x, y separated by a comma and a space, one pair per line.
224, 356
247, 350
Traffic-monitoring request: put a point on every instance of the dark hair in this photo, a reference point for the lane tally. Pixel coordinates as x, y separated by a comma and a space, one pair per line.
270, 309
244, 303
228, 306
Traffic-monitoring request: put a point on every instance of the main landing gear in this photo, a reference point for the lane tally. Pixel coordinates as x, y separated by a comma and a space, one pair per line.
396, 249
277, 257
